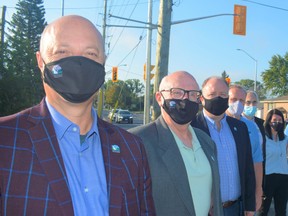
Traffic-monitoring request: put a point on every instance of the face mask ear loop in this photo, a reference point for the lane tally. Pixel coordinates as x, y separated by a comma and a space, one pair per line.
42, 72
163, 98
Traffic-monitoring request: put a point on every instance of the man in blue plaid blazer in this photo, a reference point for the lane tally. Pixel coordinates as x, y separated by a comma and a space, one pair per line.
58, 158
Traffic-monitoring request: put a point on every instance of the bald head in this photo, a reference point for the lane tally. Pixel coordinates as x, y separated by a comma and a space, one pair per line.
71, 36
179, 79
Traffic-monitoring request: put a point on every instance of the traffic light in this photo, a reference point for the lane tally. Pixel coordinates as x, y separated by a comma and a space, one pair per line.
239, 25
114, 74
151, 75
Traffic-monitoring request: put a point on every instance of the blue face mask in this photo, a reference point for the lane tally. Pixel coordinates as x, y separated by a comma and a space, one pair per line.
236, 108
250, 110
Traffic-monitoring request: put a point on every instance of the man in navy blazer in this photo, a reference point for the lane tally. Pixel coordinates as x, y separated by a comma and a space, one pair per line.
237, 179
58, 157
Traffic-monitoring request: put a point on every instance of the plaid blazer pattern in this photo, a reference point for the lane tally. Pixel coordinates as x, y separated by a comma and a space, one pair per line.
33, 179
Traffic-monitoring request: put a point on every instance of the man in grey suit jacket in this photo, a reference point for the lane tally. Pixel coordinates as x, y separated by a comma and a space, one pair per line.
182, 159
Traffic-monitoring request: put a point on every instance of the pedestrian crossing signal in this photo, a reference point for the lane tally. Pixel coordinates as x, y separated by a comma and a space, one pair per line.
114, 74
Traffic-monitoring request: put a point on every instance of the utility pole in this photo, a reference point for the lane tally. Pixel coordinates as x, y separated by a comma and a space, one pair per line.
3, 20
100, 104
162, 51
148, 66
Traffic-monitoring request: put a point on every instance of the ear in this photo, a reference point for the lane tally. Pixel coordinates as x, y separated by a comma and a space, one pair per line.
158, 98
202, 100
40, 63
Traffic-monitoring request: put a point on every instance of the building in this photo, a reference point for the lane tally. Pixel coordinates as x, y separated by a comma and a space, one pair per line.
280, 103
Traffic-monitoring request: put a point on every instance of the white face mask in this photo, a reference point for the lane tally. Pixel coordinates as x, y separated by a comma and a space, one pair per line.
236, 108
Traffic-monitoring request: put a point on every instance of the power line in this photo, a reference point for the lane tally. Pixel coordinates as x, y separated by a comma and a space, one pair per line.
124, 28
278, 8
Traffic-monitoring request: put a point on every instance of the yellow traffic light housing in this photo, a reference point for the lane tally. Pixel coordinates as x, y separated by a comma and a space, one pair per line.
114, 74
151, 75
239, 25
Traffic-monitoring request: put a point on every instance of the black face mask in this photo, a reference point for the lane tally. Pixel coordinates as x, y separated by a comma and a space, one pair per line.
216, 106
75, 78
277, 126
181, 111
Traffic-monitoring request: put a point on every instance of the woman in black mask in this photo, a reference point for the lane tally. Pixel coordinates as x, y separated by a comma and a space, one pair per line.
276, 177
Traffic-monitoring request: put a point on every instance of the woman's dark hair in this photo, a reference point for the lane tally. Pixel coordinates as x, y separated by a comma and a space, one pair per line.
268, 127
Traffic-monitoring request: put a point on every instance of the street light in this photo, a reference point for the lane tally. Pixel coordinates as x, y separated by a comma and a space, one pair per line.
255, 82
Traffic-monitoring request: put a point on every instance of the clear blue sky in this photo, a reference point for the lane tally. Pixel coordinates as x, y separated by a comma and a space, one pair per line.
203, 48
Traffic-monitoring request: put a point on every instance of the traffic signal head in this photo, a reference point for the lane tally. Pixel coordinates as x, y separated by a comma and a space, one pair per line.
114, 74
239, 25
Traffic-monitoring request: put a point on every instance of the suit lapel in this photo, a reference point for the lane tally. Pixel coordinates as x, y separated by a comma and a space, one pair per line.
113, 166
174, 163
201, 123
237, 134
48, 153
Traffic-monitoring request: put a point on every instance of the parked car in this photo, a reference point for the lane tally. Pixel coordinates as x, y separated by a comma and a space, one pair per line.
112, 114
124, 116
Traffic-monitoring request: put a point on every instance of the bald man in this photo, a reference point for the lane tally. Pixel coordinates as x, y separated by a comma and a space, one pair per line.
182, 159
58, 157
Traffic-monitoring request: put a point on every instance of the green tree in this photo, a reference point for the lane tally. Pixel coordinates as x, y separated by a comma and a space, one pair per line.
224, 75
127, 94
248, 84
275, 79
24, 33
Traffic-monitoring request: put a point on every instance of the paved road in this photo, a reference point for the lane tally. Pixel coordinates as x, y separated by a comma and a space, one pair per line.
137, 120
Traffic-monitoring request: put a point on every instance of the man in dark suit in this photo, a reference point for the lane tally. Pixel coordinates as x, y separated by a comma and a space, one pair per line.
237, 179
58, 158
182, 159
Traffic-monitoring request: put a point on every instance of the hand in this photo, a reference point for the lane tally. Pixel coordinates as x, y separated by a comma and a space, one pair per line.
249, 213
258, 195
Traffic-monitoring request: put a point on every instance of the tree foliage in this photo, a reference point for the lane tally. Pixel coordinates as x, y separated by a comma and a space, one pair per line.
275, 78
248, 84
21, 72
127, 94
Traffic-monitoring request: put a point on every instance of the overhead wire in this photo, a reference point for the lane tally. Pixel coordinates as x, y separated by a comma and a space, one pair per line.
119, 36
266, 5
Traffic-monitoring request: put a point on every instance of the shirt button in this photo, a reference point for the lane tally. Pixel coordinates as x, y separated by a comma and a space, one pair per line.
86, 190
74, 129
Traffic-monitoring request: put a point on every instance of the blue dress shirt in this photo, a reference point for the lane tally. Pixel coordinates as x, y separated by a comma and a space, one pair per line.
84, 165
227, 159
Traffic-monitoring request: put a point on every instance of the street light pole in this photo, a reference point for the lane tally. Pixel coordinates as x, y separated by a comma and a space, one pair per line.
62, 7
255, 81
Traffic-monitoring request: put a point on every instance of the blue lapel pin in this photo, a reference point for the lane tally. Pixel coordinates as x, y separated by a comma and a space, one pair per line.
212, 158
235, 129
115, 149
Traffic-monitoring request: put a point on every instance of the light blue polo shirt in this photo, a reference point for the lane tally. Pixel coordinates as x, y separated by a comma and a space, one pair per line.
256, 148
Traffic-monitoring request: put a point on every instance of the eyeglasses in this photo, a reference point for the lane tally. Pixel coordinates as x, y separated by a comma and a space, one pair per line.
179, 93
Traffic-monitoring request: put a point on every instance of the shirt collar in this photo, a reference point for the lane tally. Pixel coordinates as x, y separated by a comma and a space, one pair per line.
61, 124
212, 122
